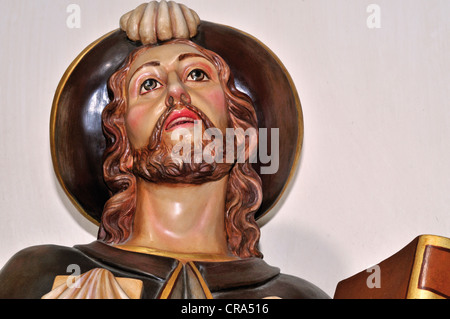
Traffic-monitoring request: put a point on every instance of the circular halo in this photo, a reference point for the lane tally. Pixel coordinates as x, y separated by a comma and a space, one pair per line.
76, 136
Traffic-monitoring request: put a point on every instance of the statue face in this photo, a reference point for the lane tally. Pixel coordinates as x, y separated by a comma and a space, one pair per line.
153, 84
169, 75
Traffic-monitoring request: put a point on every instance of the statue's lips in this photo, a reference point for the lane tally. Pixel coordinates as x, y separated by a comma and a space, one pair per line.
181, 118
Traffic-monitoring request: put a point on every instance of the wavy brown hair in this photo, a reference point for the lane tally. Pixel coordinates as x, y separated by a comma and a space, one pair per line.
244, 191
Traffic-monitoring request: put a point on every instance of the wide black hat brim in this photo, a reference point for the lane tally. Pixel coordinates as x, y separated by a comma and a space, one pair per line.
77, 140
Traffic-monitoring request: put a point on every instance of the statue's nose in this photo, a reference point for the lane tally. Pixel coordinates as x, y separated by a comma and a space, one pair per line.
176, 91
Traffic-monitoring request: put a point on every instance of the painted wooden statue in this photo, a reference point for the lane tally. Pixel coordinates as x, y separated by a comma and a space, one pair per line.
156, 137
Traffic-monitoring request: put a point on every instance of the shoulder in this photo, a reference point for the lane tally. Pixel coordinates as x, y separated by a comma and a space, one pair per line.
44, 256
31, 271
291, 287
254, 278
286, 286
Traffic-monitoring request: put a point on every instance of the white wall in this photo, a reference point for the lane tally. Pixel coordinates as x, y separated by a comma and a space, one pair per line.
374, 171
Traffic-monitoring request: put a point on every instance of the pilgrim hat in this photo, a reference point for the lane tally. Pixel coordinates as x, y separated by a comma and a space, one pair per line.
77, 141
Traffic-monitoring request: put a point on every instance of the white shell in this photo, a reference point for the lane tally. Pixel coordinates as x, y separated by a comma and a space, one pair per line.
98, 283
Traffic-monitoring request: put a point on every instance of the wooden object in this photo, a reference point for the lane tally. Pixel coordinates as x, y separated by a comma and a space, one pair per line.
421, 270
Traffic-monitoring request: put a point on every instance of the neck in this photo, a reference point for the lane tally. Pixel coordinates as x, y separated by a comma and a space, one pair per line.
181, 218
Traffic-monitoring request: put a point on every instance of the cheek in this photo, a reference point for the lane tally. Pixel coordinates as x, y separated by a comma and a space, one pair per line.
134, 119
217, 100
138, 121
218, 107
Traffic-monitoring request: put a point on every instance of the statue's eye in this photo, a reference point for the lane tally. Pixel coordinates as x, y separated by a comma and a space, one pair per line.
197, 75
149, 85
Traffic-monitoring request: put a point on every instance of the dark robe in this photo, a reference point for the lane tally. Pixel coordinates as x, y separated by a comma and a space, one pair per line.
32, 271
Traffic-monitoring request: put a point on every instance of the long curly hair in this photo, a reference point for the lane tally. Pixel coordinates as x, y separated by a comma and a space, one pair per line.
244, 190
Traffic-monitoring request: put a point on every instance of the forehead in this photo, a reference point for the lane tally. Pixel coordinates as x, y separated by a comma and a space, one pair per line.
164, 54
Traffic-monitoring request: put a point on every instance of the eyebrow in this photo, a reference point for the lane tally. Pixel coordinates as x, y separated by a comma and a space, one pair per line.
151, 63
190, 55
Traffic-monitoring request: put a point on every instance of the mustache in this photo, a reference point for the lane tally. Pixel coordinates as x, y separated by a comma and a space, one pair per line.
155, 138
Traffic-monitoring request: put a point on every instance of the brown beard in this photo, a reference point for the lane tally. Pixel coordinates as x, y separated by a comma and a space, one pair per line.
155, 163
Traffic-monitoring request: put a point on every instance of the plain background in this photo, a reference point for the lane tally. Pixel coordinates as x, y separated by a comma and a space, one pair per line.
374, 171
